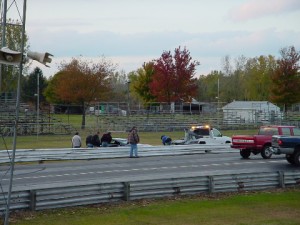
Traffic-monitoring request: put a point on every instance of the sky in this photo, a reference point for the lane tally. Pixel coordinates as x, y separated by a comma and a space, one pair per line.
131, 32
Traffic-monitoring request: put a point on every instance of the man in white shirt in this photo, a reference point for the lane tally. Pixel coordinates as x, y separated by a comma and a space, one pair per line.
76, 141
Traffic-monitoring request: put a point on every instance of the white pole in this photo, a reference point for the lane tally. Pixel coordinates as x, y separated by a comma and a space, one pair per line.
38, 106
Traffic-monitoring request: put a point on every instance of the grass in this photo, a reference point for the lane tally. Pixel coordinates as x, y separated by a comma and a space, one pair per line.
64, 141
273, 208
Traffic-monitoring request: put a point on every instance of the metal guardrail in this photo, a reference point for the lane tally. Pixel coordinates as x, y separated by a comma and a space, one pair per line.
95, 192
31, 155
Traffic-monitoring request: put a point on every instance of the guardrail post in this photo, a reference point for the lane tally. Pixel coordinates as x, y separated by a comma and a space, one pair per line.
32, 200
281, 179
126, 191
211, 185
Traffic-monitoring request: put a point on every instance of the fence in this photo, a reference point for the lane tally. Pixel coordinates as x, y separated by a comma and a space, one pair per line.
96, 192
33, 155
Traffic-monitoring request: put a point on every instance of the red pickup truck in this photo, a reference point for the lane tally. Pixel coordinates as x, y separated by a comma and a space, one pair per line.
261, 142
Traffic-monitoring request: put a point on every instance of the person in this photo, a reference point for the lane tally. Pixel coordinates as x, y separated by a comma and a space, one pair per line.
96, 140
76, 141
133, 140
89, 141
166, 140
106, 139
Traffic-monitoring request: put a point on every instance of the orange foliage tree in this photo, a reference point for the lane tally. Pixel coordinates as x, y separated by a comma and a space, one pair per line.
81, 82
286, 78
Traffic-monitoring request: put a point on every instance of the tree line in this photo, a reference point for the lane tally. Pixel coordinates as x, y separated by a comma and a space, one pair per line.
170, 78
262, 78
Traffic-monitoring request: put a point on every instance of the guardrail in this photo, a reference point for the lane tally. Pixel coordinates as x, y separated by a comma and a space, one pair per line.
96, 192
31, 155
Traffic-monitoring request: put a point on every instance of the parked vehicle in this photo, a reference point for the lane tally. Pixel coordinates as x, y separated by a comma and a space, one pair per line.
290, 146
261, 142
117, 142
202, 135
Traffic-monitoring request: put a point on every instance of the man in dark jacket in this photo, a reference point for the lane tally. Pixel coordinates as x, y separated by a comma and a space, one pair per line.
133, 140
89, 141
96, 140
106, 139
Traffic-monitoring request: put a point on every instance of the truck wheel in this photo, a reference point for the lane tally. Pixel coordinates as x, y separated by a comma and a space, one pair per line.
266, 153
296, 158
245, 153
290, 158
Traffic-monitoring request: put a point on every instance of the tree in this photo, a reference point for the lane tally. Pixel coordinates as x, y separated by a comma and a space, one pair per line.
173, 78
13, 40
29, 88
286, 79
141, 82
118, 82
257, 80
208, 86
81, 82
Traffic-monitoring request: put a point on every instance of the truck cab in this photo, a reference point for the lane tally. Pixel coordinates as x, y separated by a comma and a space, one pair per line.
288, 145
261, 142
203, 134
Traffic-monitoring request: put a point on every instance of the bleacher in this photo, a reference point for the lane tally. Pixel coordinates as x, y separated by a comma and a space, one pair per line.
28, 121
157, 122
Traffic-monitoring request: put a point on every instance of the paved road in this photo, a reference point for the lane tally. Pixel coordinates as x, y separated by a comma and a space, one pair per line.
126, 169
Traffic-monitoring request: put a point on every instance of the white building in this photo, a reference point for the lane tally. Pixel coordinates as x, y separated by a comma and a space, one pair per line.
251, 112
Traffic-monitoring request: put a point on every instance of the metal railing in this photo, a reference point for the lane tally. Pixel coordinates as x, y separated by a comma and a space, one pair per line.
33, 155
96, 192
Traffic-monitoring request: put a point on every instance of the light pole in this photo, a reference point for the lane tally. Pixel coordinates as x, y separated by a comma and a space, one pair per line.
128, 99
218, 97
37, 105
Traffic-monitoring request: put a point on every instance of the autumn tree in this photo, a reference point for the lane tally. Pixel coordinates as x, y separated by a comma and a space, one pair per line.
286, 78
81, 82
173, 78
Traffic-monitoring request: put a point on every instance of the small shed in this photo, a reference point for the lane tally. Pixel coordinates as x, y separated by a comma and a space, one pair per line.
195, 107
251, 112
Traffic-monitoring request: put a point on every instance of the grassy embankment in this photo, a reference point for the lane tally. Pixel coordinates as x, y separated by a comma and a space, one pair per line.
273, 208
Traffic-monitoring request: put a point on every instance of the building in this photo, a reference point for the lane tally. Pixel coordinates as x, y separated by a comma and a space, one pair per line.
251, 112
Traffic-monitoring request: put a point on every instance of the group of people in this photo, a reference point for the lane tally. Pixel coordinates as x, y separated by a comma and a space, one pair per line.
92, 140
133, 140
95, 141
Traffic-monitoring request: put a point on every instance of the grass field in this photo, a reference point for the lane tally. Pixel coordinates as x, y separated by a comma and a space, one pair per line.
280, 207
64, 141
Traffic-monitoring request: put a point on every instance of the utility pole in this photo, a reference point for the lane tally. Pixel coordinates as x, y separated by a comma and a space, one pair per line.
38, 105
12, 166
3, 39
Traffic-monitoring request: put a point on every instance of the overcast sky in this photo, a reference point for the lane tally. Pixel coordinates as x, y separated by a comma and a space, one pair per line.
131, 32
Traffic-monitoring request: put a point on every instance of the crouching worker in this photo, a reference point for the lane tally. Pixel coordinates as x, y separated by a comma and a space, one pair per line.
166, 140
